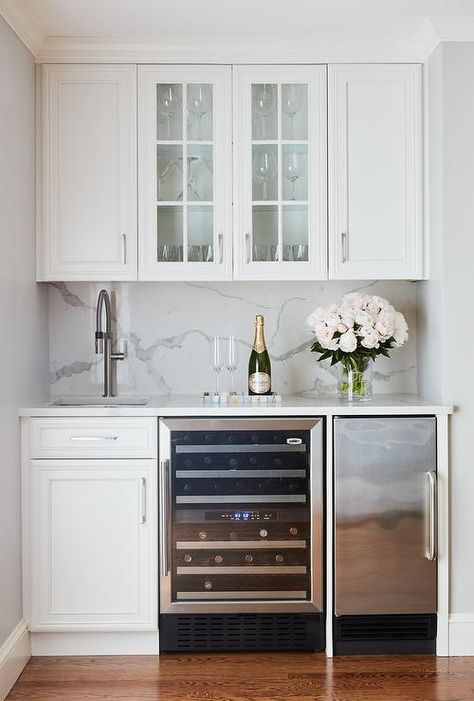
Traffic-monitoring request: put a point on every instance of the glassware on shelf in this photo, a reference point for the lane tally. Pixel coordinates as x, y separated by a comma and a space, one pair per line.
195, 253
207, 253
293, 166
291, 104
217, 361
264, 103
264, 169
232, 360
169, 253
168, 104
199, 104
300, 252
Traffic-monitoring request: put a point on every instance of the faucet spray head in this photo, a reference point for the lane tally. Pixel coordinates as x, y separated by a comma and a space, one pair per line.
99, 342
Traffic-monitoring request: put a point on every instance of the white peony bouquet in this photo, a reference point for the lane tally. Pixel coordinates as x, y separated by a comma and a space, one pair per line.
355, 332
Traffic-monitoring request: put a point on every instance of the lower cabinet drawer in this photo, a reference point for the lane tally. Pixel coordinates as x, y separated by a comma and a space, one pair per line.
75, 437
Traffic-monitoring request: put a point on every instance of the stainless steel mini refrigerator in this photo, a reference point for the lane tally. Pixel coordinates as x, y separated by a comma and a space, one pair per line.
385, 535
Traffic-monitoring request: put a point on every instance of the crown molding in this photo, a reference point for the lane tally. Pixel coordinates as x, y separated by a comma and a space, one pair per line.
48, 49
23, 25
453, 28
87, 50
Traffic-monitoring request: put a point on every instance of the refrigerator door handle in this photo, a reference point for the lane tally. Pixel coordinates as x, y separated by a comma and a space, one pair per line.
164, 516
431, 551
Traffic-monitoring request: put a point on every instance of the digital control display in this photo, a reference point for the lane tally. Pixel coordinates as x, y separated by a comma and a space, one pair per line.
245, 515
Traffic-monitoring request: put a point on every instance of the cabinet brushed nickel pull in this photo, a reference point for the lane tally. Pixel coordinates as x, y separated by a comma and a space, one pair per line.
220, 247
143, 499
247, 247
431, 551
164, 516
93, 438
124, 249
344, 246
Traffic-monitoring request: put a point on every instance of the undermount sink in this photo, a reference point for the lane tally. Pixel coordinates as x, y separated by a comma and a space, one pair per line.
100, 401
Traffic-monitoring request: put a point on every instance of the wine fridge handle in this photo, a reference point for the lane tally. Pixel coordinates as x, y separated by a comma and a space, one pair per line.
164, 517
247, 247
431, 551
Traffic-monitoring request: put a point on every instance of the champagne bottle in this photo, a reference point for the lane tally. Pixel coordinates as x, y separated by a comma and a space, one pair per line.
260, 373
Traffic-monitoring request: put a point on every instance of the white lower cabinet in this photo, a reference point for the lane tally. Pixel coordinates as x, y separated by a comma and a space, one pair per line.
91, 560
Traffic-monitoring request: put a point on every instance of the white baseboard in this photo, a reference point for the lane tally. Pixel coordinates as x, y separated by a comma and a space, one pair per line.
461, 634
14, 654
111, 643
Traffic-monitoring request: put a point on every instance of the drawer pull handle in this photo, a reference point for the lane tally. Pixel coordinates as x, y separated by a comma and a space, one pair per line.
93, 438
143, 501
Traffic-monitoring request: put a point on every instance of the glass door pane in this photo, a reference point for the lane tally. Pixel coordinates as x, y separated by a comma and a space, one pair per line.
280, 172
185, 173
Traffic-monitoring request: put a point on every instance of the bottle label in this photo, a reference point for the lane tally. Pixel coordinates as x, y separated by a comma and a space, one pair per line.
260, 382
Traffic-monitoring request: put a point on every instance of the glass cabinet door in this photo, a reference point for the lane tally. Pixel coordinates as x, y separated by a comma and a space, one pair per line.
280, 172
184, 173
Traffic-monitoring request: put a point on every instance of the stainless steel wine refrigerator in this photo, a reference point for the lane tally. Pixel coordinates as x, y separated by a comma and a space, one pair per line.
241, 534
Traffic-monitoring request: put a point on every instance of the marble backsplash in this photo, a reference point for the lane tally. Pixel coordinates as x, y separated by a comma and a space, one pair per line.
166, 329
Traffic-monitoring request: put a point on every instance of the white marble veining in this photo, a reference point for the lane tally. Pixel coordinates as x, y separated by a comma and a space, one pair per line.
167, 327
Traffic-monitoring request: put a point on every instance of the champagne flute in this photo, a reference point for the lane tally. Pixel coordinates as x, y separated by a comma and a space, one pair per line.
264, 102
217, 361
264, 169
232, 360
198, 103
291, 104
292, 169
168, 100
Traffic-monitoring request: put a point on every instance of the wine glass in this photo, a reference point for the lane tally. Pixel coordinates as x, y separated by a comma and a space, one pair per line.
264, 169
217, 361
292, 169
232, 360
198, 103
168, 102
291, 104
264, 102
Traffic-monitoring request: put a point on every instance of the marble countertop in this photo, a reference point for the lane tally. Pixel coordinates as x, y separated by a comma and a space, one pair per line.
189, 405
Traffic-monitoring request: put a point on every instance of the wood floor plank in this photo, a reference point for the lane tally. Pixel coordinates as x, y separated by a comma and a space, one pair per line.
246, 677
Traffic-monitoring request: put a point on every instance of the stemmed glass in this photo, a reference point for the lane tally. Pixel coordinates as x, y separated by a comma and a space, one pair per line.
291, 105
168, 104
217, 361
292, 169
264, 104
198, 103
264, 169
232, 360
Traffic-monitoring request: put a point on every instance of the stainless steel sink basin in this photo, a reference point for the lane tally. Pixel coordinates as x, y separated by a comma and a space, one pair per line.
100, 401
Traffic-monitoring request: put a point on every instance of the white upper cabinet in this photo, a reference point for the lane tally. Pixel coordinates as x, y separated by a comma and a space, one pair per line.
375, 172
280, 172
87, 211
184, 173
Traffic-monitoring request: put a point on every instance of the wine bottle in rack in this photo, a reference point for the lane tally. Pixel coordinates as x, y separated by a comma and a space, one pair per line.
260, 373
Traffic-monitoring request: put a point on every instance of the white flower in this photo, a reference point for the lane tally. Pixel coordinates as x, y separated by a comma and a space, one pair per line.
324, 334
383, 303
347, 317
353, 299
348, 342
371, 306
315, 317
370, 337
363, 318
400, 329
342, 328
385, 324
332, 319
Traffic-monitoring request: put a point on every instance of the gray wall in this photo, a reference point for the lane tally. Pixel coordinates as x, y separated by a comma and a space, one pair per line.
23, 304
446, 336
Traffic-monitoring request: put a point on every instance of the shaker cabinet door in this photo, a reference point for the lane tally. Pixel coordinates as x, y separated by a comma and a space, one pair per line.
280, 172
375, 171
87, 205
184, 172
93, 543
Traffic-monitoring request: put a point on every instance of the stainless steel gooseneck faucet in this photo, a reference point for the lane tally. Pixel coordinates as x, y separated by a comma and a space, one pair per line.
103, 340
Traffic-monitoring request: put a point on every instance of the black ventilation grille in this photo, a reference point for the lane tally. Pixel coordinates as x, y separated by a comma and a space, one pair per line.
215, 632
384, 634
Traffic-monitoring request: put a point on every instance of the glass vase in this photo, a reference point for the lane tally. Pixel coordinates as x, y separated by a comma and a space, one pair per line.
355, 381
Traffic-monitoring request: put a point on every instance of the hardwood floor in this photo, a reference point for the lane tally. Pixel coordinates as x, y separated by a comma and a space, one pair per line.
241, 677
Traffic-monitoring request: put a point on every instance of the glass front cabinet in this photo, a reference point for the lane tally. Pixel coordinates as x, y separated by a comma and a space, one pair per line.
280, 172
187, 190
184, 165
